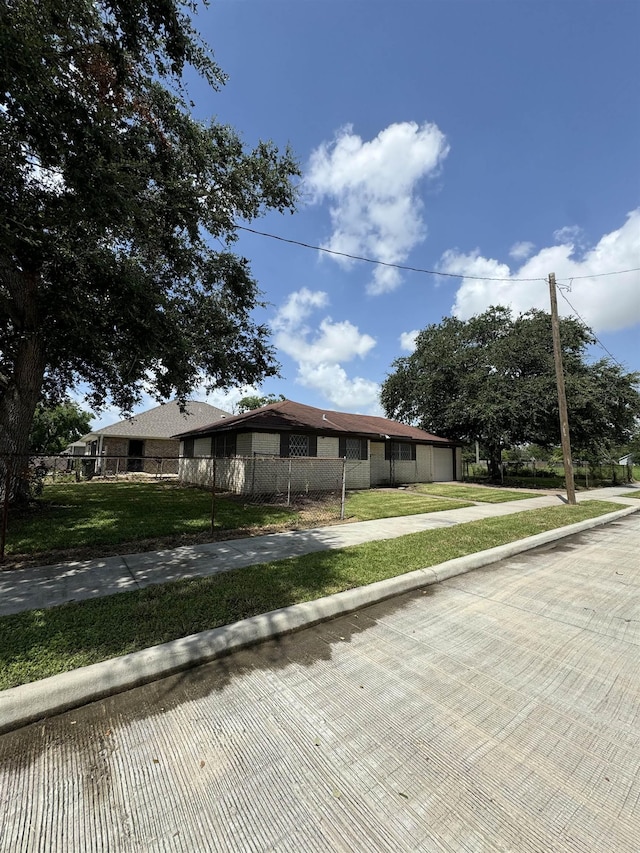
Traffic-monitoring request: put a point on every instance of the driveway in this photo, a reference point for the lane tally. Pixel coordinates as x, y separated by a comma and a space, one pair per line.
499, 710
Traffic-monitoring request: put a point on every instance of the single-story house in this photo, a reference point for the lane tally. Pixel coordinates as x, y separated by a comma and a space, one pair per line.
379, 451
138, 442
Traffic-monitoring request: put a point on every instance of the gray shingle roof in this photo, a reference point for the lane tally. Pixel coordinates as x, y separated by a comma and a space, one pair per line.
163, 421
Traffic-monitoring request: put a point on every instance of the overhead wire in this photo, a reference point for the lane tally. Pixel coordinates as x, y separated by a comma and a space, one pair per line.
417, 269
382, 263
598, 341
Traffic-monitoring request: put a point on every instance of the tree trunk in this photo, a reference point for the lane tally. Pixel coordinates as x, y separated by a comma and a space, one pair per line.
20, 392
495, 463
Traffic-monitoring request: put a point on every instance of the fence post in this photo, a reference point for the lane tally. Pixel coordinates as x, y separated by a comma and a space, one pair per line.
213, 493
253, 474
344, 487
5, 509
289, 484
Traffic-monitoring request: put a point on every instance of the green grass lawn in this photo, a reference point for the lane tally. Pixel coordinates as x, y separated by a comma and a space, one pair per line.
633, 494
93, 518
483, 494
367, 505
40, 643
96, 514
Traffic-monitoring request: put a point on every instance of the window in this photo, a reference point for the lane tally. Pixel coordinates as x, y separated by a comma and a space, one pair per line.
400, 451
354, 448
298, 445
187, 448
223, 445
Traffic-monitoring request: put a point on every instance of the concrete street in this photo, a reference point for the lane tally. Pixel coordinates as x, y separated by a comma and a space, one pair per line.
497, 710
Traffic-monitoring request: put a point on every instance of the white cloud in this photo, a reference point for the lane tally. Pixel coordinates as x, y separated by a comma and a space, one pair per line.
372, 187
570, 234
298, 307
226, 400
606, 304
522, 250
320, 352
408, 340
332, 381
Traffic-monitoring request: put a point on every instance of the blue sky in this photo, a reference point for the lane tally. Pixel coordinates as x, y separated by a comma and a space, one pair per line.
494, 138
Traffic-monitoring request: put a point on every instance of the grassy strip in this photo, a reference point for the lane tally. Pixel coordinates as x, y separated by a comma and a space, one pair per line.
39, 643
634, 494
483, 494
368, 505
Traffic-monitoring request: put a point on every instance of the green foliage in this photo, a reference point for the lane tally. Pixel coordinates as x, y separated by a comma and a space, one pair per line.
111, 198
492, 379
55, 427
40, 643
255, 401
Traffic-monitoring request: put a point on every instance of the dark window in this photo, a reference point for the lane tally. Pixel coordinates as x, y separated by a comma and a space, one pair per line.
354, 448
187, 448
401, 451
136, 452
297, 444
223, 445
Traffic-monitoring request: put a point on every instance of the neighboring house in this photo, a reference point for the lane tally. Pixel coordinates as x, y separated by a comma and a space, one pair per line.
379, 451
144, 442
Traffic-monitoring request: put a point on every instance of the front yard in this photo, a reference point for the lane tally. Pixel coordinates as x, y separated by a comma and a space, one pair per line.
39, 643
91, 519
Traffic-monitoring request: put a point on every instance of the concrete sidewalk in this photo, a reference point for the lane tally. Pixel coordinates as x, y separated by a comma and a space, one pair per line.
48, 586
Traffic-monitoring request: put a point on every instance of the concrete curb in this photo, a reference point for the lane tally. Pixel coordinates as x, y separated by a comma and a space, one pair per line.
56, 694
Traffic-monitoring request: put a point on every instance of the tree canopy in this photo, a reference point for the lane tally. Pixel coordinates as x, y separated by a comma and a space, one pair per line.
492, 379
55, 427
256, 401
112, 198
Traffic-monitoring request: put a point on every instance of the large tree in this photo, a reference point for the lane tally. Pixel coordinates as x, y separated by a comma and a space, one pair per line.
111, 198
55, 427
491, 379
256, 401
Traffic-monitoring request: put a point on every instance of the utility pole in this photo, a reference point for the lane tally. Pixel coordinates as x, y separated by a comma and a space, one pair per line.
562, 399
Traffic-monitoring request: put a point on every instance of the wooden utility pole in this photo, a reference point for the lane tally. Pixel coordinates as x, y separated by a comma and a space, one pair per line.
562, 399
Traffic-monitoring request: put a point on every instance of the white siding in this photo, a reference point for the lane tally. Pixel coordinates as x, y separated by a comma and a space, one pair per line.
243, 444
265, 443
358, 474
424, 463
328, 447
202, 447
379, 466
443, 464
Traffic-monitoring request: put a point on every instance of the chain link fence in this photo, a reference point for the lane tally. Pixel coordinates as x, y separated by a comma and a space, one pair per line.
531, 473
301, 491
313, 487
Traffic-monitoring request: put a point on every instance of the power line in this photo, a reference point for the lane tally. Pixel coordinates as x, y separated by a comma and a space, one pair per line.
418, 269
382, 263
600, 274
592, 332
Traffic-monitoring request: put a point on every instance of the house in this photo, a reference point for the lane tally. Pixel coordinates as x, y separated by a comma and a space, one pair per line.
378, 451
144, 442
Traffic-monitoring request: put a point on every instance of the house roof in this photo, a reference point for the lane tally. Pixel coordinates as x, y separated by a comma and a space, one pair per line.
162, 421
290, 416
